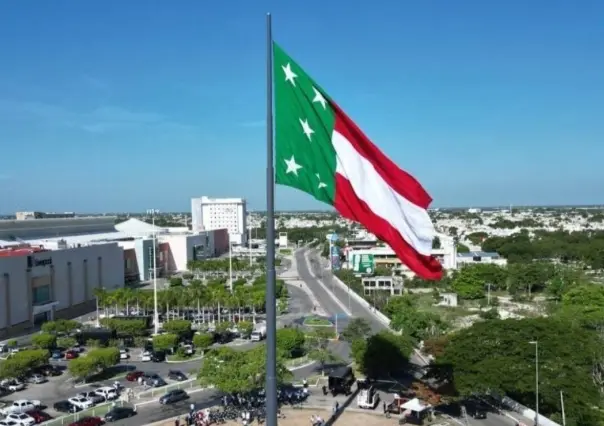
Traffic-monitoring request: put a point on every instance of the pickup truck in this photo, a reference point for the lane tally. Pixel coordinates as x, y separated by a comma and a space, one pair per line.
20, 406
258, 334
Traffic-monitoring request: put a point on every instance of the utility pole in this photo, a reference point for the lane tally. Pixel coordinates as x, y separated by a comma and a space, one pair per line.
488, 294
563, 412
230, 265
250, 246
153, 212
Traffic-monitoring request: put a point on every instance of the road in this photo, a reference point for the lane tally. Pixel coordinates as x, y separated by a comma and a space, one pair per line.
327, 291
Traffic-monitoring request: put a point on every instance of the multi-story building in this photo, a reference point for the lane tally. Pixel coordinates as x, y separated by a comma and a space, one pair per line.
208, 214
42, 215
50, 268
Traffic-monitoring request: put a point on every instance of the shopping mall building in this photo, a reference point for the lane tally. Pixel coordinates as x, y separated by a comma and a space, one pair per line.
51, 267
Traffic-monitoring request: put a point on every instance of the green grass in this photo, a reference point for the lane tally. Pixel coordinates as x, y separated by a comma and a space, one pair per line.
317, 322
98, 411
285, 251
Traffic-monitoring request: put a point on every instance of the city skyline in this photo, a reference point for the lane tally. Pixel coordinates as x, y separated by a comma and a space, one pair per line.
486, 104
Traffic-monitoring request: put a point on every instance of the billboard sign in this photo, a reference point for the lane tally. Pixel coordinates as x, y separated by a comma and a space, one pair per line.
363, 263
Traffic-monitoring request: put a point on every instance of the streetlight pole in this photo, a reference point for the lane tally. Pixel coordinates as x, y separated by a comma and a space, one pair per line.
153, 212
536, 343
230, 265
249, 241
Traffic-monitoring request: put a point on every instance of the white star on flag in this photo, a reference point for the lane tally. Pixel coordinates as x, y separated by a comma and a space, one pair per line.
321, 184
306, 129
292, 167
289, 74
319, 98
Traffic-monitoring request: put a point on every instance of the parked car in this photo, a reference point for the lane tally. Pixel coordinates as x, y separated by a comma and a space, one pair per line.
21, 419
65, 407
107, 393
173, 396
13, 385
134, 375
81, 402
39, 415
146, 356
88, 421
124, 353
158, 356
20, 406
177, 375
92, 395
48, 370
37, 379
71, 354
118, 413
56, 355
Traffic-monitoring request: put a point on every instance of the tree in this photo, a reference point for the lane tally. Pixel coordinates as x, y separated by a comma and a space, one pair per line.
232, 371
468, 284
357, 328
245, 328
20, 363
165, 342
323, 356
383, 354
418, 324
203, 341
290, 341
127, 327
44, 340
496, 356
82, 367
66, 342
60, 326
436, 243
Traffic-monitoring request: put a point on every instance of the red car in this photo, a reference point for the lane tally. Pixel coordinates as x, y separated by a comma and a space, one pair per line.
39, 416
71, 354
88, 421
134, 375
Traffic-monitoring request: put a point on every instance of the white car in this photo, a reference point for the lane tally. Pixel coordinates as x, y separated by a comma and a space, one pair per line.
124, 354
20, 406
106, 392
8, 423
92, 395
81, 402
21, 419
146, 356
13, 385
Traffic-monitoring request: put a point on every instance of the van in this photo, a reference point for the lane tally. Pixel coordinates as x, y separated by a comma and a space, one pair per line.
340, 380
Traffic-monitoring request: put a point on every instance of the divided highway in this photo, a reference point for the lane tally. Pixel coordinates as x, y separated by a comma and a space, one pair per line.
325, 292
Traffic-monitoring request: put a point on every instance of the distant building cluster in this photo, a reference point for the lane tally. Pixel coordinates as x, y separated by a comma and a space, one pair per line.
51, 264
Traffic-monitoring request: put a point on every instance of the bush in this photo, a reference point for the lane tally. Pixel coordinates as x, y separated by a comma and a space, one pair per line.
165, 342
177, 326
203, 341
66, 342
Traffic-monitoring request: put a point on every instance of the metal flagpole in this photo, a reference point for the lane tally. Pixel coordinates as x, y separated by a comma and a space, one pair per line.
271, 305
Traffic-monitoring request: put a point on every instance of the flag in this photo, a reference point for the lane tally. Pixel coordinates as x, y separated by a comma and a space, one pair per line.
321, 151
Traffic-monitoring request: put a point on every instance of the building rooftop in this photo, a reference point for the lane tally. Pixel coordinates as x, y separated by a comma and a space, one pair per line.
478, 254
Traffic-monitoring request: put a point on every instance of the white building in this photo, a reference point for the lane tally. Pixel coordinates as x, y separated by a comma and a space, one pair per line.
208, 214
391, 284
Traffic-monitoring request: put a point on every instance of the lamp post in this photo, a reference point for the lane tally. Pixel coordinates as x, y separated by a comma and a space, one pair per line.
536, 343
153, 212
249, 242
230, 265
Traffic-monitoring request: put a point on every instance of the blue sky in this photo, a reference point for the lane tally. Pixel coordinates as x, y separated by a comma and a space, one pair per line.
127, 105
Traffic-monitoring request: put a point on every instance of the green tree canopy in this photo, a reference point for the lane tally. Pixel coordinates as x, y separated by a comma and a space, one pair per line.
382, 354
290, 341
232, 371
357, 328
497, 356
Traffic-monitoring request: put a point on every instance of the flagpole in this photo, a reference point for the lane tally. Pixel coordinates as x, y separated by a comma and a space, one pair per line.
271, 301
